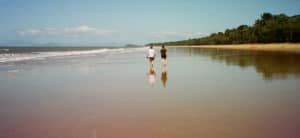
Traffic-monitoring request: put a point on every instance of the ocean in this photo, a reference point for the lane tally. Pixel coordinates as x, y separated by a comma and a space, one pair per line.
18, 54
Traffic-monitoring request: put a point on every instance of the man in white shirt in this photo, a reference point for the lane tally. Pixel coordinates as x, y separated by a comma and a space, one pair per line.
151, 56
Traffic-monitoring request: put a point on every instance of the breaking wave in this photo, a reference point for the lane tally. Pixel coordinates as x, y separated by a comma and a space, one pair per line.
14, 57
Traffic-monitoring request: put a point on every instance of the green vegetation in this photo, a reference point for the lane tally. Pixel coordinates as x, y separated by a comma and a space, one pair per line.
269, 29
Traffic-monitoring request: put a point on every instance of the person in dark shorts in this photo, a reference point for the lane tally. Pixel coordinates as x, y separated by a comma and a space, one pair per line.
163, 53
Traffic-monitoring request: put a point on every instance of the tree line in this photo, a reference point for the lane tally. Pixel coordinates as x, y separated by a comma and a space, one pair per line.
268, 29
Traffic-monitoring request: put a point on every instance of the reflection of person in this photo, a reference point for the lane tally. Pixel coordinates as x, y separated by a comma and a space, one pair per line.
151, 77
164, 78
163, 53
151, 56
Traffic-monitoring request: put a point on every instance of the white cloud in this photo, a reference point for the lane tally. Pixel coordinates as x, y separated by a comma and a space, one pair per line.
35, 32
80, 29
83, 29
21, 33
102, 32
30, 32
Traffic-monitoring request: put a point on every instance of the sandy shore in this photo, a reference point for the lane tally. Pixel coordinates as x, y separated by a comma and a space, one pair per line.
285, 47
112, 94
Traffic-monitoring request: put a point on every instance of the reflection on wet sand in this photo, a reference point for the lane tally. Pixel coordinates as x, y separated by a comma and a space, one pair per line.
164, 78
271, 65
151, 77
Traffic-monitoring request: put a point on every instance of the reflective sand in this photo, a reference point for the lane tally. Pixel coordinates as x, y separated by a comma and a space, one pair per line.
204, 93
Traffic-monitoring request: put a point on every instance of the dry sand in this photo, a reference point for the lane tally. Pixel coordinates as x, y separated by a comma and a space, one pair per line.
284, 47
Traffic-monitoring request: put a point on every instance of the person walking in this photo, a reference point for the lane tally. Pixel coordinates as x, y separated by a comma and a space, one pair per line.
151, 56
163, 53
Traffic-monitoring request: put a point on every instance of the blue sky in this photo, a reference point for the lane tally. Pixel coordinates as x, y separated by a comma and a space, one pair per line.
119, 22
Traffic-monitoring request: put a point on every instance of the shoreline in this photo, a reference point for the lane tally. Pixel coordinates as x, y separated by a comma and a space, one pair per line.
277, 47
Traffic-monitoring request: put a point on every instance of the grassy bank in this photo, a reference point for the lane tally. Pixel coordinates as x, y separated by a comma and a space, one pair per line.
284, 47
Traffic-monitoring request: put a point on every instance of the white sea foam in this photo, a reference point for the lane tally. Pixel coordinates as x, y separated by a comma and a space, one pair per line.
14, 57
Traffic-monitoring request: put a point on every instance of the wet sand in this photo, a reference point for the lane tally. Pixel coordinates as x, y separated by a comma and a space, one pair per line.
281, 47
203, 93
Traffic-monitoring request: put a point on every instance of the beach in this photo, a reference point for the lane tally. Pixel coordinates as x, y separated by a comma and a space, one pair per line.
279, 47
110, 92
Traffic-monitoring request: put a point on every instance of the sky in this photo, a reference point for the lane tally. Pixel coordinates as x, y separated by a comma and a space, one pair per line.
120, 22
